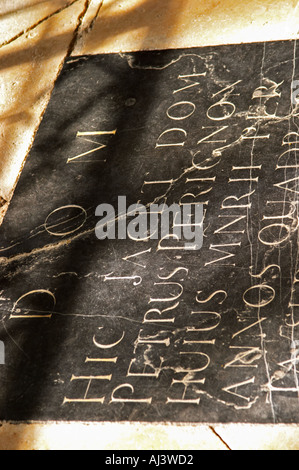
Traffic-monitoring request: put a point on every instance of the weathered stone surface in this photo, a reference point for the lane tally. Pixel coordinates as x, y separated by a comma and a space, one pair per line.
130, 25
35, 40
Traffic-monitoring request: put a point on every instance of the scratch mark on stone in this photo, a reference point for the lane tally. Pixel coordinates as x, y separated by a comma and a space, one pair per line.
19, 257
13, 340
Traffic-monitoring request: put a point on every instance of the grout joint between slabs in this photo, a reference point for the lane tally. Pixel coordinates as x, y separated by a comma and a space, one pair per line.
84, 29
219, 437
38, 23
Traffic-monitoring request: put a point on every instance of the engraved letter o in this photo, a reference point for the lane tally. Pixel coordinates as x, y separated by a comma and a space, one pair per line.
183, 104
262, 289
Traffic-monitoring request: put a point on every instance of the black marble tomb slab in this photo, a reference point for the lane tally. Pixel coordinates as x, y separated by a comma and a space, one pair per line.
144, 330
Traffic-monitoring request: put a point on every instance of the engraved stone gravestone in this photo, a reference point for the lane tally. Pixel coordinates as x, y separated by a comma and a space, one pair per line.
145, 329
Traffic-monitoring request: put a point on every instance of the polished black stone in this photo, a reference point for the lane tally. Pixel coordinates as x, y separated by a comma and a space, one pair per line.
147, 330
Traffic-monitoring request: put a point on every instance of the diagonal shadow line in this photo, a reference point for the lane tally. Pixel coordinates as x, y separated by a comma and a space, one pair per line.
38, 23
10, 11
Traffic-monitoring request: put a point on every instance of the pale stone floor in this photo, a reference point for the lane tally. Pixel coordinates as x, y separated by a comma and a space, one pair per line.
35, 38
